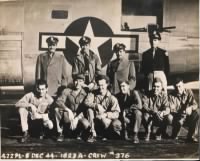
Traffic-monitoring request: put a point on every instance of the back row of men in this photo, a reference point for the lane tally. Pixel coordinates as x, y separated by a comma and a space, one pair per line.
90, 109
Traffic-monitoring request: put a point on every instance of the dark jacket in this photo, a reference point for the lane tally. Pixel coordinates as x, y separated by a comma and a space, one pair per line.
131, 101
159, 62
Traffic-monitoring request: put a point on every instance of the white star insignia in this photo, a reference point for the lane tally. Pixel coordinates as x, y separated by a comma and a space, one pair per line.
95, 41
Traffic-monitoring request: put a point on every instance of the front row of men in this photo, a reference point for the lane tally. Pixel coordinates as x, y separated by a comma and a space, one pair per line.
89, 115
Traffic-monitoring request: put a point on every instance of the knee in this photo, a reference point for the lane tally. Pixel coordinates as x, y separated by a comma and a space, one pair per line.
56, 110
169, 119
90, 113
146, 117
138, 114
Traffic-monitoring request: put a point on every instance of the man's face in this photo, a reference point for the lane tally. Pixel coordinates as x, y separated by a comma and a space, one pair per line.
52, 48
102, 86
42, 90
155, 43
78, 83
120, 54
179, 87
157, 88
85, 48
125, 88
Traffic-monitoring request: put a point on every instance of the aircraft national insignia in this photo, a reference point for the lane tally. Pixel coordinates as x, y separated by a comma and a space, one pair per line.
100, 33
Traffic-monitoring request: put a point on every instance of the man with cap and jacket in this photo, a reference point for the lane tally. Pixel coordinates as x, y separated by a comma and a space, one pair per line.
71, 111
121, 69
86, 62
52, 67
155, 62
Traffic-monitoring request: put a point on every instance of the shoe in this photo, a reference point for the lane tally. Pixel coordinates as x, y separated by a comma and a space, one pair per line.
147, 138
136, 139
104, 139
60, 137
91, 139
41, 137
125, 135
192, 140
158, 138
25, 137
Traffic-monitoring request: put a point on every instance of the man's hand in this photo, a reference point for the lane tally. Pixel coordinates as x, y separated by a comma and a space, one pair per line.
90, 86
160, 115
188, 111
32, 108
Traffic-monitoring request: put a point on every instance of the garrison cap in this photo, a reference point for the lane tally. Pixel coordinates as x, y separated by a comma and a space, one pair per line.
84, 40
155, 35
52, 40
118, 46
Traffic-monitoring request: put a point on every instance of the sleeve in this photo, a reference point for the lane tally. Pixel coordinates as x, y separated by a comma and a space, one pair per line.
60, 102
143, 65
97, 66
138, 102
165, 105
75, 69
115, 109
65, 70
132, 75
174, 104
24, 101
145, 102
167, 67
38, 68
108, 70
191, 100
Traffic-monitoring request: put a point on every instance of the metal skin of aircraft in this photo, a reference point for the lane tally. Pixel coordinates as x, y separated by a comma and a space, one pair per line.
37, 20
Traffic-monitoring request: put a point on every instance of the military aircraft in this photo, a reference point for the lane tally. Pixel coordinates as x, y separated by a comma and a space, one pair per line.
24, 29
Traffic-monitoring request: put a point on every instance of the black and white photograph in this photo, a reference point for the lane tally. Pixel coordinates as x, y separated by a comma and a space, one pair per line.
99, 79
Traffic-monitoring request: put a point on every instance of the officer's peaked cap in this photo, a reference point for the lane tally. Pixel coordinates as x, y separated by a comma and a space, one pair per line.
84, 40
118, 46
52, 40
155, 35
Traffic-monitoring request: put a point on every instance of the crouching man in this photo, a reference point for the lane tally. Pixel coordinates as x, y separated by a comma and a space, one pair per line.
184, 111
131, 115
70, 110
156, 109
105, 109
35, 104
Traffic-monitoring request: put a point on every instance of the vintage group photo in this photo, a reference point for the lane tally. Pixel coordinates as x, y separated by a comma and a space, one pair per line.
99, 79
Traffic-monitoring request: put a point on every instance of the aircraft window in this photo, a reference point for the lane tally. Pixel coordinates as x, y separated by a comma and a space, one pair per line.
141, 11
